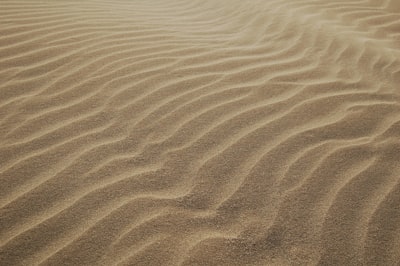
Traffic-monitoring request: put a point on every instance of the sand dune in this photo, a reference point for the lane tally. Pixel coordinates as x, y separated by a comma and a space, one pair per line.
234, 132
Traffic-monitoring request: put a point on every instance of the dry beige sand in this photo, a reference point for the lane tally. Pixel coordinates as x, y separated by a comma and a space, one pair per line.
203, 132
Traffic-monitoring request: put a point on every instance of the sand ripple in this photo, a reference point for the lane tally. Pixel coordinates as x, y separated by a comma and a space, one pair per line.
234, 132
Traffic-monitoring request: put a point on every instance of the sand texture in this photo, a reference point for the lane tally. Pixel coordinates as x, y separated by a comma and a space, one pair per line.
202, 132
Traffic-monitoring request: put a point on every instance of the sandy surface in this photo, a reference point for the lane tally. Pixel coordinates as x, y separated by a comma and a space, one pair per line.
205, 132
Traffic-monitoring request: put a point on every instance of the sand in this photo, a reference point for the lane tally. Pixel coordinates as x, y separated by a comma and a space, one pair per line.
177, 132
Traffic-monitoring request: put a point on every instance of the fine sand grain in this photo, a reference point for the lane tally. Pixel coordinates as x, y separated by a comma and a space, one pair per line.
202, 132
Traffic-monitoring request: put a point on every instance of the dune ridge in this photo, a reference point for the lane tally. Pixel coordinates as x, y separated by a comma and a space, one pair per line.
234, 132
